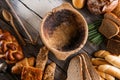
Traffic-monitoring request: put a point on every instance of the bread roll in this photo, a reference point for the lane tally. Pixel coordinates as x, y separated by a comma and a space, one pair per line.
109, 69
114, 60
106, 76
101, 6
101, 53
98, 61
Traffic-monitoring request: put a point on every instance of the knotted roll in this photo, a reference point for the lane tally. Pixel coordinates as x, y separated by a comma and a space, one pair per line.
10, 50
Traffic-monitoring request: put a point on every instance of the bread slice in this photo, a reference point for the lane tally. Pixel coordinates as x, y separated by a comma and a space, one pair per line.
49, 71
86, 74
113, 46
109, 28
74, 71
112, 17
31, 73
93, 74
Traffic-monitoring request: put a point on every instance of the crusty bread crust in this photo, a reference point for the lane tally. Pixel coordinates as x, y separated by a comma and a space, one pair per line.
31, 73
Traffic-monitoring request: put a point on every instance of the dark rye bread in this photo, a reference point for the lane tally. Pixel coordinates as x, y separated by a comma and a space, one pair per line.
94, 75
74, 71
109, 28
113, 17
113, 46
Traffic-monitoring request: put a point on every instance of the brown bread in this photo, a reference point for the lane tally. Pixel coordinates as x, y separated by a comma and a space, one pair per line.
108, 28
94, 75
75, 69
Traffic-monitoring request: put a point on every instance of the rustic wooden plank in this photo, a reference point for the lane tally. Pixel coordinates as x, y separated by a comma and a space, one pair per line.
26, 14
59, 72
41, 7
88, 16
34, 6
29, 22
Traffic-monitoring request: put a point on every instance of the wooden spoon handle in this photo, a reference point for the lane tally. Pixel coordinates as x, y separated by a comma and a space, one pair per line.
18, 34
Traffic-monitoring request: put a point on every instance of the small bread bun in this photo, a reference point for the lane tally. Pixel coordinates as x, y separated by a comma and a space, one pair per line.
101, 6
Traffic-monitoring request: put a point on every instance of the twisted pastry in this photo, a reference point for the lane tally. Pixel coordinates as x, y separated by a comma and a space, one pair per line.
10, 50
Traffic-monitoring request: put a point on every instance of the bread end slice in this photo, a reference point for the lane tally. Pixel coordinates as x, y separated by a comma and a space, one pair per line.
74, 71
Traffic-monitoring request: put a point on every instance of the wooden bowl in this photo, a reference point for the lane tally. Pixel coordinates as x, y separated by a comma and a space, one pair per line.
64, 31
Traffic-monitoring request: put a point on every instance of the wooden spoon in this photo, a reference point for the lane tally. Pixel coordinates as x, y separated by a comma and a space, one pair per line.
9, 18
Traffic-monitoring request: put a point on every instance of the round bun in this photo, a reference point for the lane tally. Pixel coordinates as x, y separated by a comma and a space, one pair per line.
101, 6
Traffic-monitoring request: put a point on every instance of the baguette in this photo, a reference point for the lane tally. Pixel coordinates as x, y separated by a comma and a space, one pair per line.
106, 76
114, 60
109, 69
49, 71
101, 53
98, 61
42, 58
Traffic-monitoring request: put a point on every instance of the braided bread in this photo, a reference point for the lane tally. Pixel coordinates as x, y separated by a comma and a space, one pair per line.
10, 50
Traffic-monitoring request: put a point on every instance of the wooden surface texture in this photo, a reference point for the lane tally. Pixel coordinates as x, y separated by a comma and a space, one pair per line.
31, 12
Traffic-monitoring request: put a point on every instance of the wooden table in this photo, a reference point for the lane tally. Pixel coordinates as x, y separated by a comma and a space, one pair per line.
33, 11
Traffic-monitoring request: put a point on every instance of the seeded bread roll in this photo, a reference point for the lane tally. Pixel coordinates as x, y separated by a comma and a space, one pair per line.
101, 6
